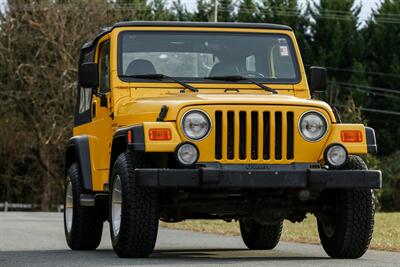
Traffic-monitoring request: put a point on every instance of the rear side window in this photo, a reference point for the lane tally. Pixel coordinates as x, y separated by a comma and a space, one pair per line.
88, 57
84, 95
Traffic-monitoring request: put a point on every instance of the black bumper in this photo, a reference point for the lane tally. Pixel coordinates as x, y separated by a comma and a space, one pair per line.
233, 178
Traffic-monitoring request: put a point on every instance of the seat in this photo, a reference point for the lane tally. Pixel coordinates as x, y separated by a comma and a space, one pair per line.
221, 69
140, 67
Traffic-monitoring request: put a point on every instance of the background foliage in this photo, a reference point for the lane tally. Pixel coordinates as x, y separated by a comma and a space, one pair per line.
39, 47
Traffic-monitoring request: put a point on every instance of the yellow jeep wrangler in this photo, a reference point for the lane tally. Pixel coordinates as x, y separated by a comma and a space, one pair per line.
182, 120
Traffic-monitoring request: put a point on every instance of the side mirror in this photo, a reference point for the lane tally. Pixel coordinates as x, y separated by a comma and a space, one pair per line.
318, 79
88, 75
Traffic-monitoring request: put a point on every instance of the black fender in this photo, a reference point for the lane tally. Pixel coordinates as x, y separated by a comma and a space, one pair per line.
77, 150
121, 144
137, 132
371, 140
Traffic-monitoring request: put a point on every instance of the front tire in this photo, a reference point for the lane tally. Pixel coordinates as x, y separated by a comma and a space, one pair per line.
259, 236
83, 226
134, 211
346, 232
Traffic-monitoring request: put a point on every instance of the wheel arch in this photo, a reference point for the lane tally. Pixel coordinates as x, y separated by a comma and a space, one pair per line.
120, 142
77, 150
119, 145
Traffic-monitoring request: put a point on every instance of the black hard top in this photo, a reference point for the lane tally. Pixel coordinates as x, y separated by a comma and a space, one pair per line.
187, 24
202, 24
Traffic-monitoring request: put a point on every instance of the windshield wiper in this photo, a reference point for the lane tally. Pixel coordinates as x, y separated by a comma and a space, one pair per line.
159, 77
241, 78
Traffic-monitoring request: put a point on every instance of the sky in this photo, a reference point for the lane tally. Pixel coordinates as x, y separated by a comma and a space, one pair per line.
367, 6
365, 12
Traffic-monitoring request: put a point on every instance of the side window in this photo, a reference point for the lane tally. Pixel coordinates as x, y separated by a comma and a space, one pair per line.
85, 94
104, 67
88, 57
85, 98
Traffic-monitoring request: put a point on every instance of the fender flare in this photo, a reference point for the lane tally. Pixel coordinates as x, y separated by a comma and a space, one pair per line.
138, 143
120, 142
79, 147
371, 140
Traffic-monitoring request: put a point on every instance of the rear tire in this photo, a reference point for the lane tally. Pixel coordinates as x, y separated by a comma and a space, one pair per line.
134, 212
347, 231
258, 236
83, 226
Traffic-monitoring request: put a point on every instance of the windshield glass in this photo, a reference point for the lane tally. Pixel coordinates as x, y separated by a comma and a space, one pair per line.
193, 56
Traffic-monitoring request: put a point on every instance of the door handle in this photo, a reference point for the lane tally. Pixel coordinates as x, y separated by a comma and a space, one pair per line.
94, 109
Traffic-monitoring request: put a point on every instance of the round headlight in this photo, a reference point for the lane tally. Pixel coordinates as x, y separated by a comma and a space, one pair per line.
187, 154
313, 126
336, 155
196, 124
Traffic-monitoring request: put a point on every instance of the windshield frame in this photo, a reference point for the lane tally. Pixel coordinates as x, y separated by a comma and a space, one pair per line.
200, 80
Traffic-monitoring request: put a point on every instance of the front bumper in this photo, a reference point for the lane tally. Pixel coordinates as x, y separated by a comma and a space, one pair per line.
259, 178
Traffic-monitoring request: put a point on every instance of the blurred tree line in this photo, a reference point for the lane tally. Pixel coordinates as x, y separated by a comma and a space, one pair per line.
39, 47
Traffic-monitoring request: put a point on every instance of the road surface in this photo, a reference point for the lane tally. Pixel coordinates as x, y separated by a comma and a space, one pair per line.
37, 239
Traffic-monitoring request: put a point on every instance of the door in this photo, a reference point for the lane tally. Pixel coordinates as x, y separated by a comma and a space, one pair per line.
101, 121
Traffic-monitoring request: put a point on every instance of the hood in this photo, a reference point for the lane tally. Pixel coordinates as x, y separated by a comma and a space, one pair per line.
150, 106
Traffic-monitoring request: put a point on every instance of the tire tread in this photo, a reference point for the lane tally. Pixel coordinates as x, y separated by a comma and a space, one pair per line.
356, 218
140, 211
87, 226
261, 236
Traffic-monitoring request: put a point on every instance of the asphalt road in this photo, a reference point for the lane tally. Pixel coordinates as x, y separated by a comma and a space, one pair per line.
37, 239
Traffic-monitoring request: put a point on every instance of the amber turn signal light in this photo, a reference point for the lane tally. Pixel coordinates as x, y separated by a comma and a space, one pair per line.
129, 136
160, 134
351, 136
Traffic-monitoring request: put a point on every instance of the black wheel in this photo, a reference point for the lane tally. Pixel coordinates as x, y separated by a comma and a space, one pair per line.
134, 211
346, 231
259, 236
83, 226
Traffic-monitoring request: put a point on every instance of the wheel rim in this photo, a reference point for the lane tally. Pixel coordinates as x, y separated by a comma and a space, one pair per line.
69, 206
329, 221
116, 201
247, 225
329, 229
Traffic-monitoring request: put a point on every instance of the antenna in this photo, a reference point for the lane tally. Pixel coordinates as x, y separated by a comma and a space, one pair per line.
215, 13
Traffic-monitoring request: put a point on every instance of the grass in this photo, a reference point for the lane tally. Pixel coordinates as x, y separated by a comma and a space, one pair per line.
386, 231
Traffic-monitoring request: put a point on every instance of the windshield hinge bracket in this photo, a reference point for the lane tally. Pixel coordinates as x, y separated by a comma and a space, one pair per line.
163, 113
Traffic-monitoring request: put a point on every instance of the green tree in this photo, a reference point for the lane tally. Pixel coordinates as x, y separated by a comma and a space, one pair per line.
160, 11
226, 11
334, 32
382, 56
247, 11
181, 12
203, 11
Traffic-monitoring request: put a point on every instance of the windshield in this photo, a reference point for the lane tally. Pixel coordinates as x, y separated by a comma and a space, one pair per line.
194, 56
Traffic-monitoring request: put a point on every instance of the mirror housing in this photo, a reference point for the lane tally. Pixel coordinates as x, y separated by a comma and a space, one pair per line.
318, 79
88, 75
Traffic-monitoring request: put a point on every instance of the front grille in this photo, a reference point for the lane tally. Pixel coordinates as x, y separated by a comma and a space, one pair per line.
254, 135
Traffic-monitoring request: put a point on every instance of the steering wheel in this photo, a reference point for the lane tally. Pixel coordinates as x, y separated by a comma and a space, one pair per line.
251, 74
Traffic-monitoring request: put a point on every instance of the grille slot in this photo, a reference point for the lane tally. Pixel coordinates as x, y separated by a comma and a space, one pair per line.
218, 135
242, 135
278, 135
290, 135
266, 135
253, 135
230, 135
